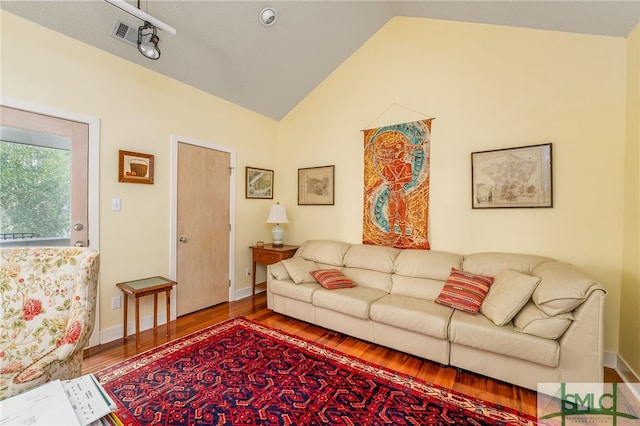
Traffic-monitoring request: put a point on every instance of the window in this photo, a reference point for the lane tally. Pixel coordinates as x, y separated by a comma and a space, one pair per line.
35, 185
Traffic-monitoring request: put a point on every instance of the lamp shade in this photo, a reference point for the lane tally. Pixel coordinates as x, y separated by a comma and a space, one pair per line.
277, 214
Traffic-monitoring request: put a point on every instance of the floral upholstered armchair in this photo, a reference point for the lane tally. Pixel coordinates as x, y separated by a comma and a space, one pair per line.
47, 304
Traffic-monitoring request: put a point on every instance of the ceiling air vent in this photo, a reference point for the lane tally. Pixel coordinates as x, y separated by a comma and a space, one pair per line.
125, 32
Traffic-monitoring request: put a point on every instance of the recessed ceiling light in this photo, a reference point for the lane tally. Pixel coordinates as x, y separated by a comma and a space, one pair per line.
268, 16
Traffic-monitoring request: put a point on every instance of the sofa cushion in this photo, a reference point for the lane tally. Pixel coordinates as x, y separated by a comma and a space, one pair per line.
478, 331
300, 270
422, 273
532, 320
278, 271
372, 258
331, 279
323, 252
509, 292
464, 291
419, 315
562, 288
287, 288
371, 279
422, 288
492, 264
426, 264
354, 301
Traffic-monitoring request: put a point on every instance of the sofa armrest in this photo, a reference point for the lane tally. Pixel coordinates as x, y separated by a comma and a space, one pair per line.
79, 325
82, 311
39, 367
582, 345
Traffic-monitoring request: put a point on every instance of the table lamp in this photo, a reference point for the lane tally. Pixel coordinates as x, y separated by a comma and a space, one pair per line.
277, 215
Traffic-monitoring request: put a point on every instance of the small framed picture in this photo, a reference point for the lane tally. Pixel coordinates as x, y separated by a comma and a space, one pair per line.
259, 183
512, 177
316, 186
135, 167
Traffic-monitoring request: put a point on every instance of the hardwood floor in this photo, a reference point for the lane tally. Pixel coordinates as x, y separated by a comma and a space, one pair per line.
255, 309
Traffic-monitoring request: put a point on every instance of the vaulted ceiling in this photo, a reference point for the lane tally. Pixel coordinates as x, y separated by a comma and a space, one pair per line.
221, 47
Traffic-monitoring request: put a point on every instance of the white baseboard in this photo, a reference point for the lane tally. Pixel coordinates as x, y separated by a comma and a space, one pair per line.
146, 323
616, 362
246, 292
626, 372
610, 360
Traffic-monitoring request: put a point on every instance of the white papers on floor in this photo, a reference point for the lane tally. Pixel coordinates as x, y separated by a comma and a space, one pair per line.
88, 398
80, 401
46, 404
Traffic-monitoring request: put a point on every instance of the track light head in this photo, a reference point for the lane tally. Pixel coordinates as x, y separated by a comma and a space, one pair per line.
148, 42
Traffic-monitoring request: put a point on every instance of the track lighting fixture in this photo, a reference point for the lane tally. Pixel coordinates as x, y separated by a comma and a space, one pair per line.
148, 42
147, 34
143, 16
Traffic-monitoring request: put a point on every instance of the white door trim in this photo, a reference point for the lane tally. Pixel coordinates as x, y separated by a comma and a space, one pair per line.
173, 228
94, 176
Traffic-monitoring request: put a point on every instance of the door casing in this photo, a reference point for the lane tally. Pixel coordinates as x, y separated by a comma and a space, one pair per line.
173, 238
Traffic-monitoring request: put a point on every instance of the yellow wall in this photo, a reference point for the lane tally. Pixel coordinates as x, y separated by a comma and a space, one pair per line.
488, 87
138, 111
629, 349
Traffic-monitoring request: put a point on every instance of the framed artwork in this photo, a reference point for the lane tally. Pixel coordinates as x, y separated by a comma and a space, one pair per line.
512, 177
259, 183
316, 186
135, 167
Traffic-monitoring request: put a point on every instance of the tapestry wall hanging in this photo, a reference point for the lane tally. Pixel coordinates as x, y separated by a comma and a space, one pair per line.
396, 185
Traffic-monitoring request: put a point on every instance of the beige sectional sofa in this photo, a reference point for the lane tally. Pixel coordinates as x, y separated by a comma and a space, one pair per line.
541, 321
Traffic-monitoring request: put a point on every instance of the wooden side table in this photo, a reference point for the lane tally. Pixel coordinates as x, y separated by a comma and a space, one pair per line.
268, 255
145, 287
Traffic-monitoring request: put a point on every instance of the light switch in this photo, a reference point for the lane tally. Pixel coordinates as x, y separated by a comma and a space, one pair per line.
115, 204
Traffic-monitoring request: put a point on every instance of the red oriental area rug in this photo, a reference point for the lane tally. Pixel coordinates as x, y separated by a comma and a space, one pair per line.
239, 372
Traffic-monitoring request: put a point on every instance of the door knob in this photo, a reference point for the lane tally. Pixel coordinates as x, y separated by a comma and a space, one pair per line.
183, 239
78, 227
79, 244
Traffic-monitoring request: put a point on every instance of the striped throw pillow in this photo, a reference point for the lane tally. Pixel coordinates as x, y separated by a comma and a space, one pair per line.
464, 291
331, 279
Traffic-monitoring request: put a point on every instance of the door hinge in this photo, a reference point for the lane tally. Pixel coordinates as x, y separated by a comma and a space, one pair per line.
230, 171
229, 283
229, 227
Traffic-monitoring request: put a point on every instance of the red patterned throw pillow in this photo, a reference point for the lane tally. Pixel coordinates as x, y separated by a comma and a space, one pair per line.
331, 279
464, 291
